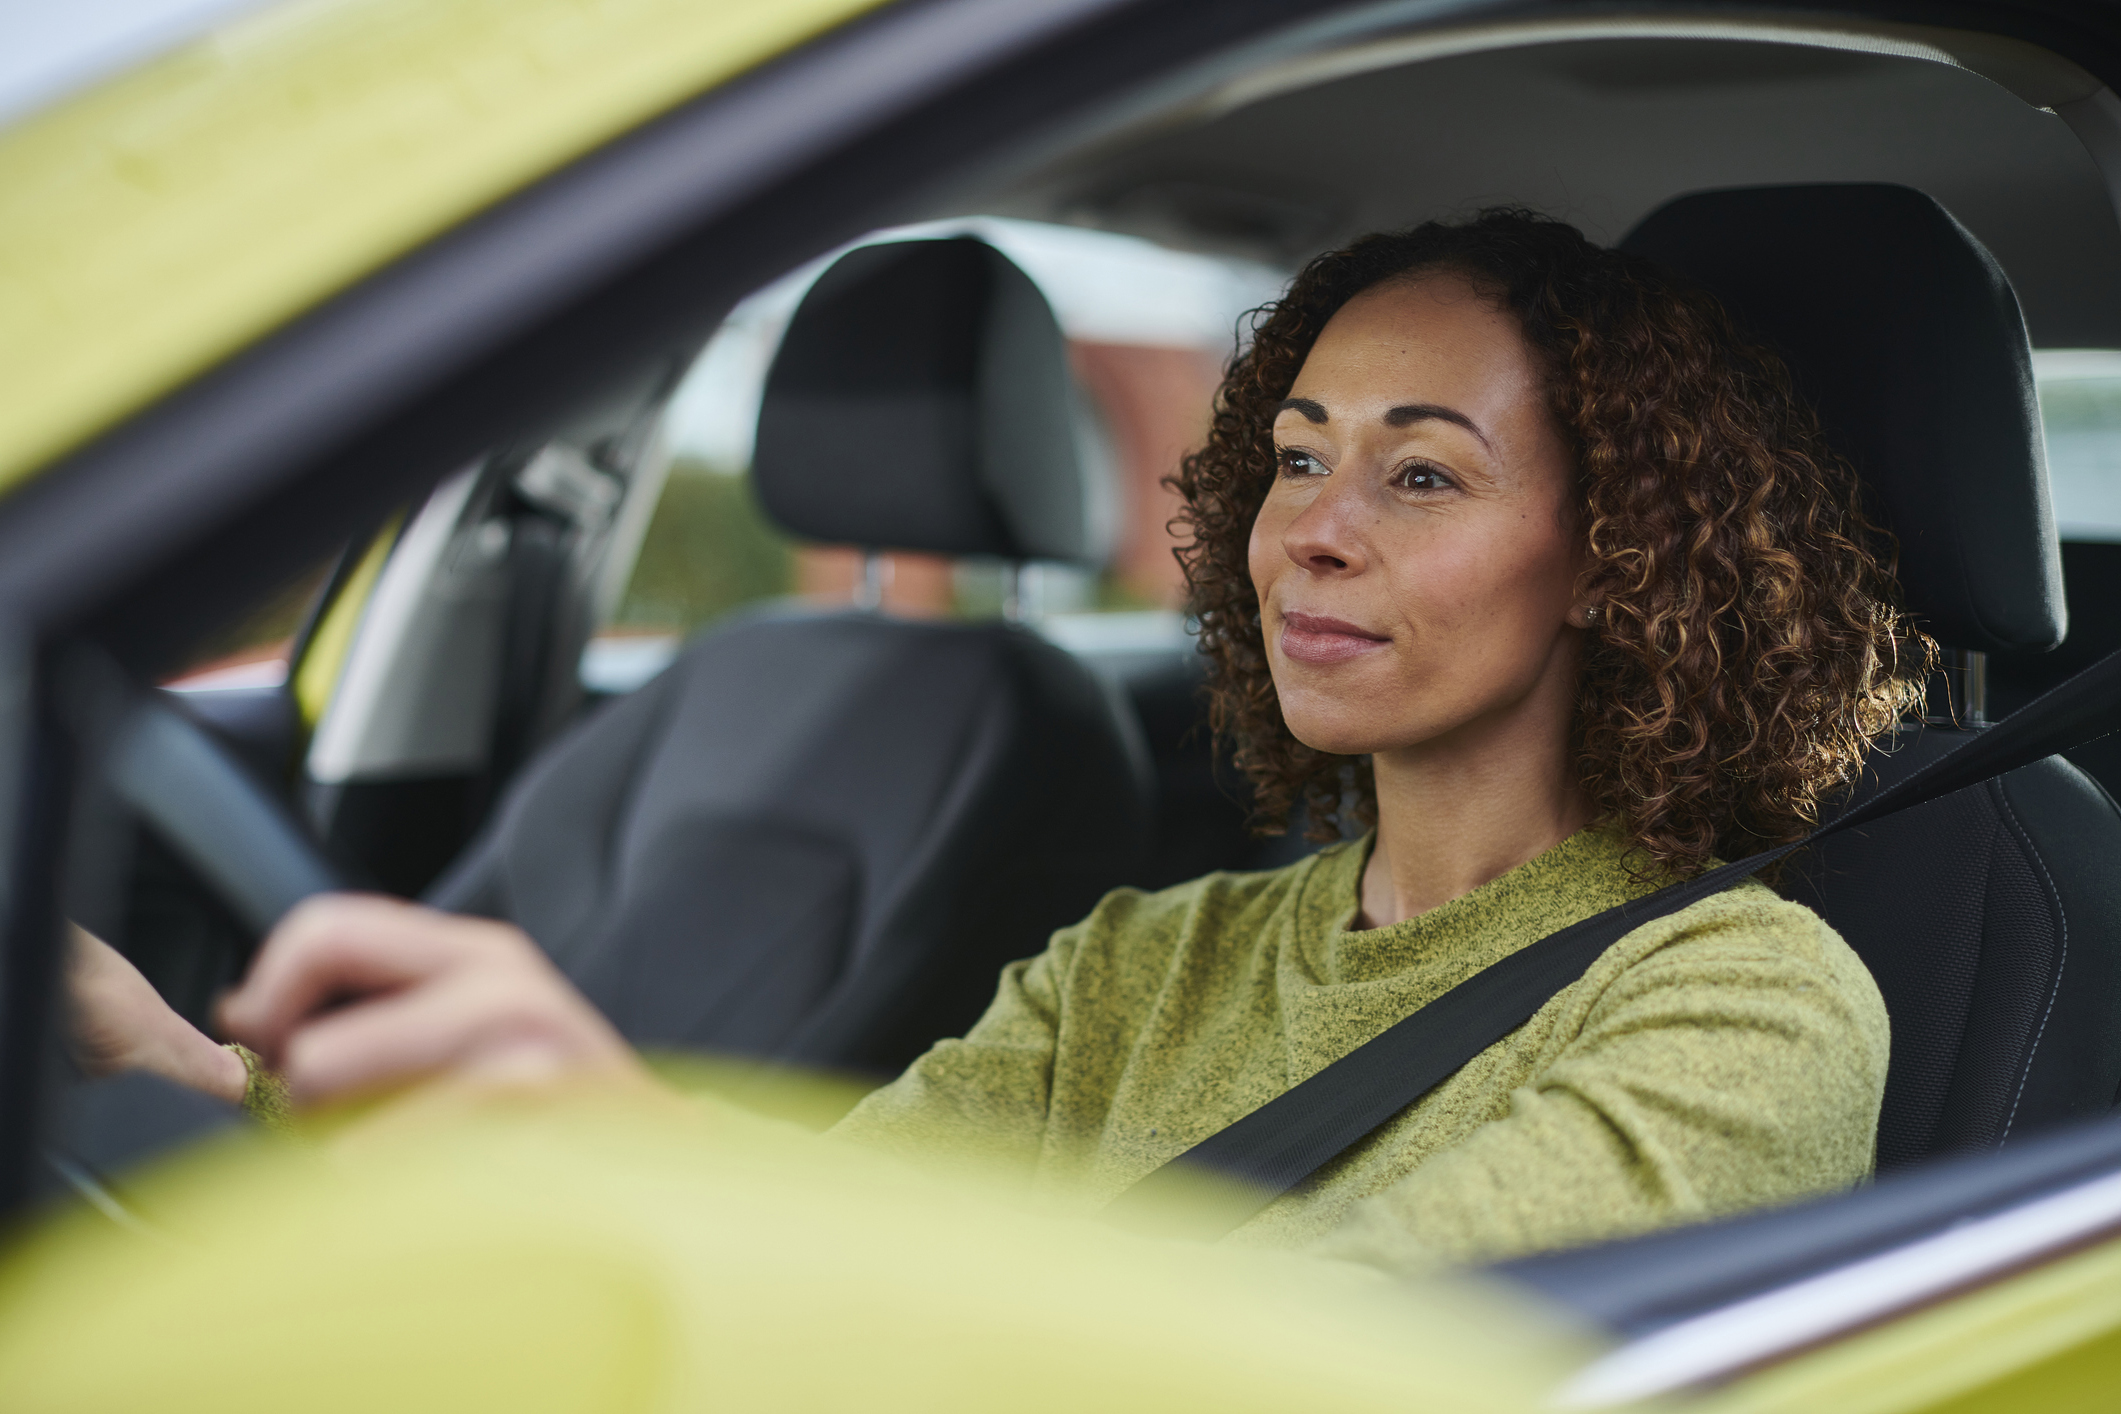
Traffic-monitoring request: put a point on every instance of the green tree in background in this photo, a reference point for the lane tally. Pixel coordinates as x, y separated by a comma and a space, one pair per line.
709, 549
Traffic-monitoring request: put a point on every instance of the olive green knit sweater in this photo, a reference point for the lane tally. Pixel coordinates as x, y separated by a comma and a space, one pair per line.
1727, 1056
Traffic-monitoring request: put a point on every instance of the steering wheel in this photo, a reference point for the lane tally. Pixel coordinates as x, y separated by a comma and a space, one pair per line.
255, 856
208, 809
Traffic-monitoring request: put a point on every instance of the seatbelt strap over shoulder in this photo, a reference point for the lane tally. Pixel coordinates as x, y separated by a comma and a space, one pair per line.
1282, 1143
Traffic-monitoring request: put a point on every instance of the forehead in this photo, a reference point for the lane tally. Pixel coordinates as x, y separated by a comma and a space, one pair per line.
1432, 333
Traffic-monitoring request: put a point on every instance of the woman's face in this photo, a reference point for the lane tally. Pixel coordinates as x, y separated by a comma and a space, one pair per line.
1417, 555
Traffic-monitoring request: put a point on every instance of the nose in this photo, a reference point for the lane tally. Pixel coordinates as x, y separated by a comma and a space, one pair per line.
1326, 538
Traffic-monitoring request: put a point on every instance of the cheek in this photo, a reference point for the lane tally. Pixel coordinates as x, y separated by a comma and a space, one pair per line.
1263, 552
1446, 583
1479, 583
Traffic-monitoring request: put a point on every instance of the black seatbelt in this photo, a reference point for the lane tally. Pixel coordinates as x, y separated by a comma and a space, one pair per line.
1282, 1143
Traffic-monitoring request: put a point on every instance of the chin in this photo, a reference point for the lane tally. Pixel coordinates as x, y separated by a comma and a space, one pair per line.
1332, 733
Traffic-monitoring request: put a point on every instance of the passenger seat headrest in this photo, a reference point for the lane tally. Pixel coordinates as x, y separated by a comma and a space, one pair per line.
921, 401
1902, 331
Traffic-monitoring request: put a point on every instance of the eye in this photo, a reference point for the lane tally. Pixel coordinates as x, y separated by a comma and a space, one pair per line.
1294, 461
1423, 476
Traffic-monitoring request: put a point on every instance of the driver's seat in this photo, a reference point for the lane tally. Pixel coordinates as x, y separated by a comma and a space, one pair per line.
818, 836
1991, 918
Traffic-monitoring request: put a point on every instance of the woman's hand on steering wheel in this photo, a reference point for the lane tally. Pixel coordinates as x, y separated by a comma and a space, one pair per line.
357, 994
120, 1022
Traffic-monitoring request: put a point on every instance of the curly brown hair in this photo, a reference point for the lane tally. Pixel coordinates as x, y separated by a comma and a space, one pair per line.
1748, 648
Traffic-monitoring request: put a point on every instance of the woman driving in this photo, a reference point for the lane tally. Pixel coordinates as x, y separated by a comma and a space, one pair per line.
1506, 548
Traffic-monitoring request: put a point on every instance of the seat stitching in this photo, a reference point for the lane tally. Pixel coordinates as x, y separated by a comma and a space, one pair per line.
2061, 958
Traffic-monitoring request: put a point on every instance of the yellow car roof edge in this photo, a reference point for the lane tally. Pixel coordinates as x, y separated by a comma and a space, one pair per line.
202, 201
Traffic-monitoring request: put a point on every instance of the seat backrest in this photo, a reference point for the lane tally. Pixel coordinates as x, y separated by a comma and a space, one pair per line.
1987, 918
1991, 918
2091, 577
818, 836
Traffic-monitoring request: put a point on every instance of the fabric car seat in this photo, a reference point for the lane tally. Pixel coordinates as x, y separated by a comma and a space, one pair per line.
817, 837
1991, 918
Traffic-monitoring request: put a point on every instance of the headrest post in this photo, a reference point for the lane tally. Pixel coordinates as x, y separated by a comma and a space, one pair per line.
1963, 673
1013, 591
876, 574
1972, 666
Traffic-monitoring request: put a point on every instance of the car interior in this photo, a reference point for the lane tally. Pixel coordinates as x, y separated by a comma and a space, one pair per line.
816, 836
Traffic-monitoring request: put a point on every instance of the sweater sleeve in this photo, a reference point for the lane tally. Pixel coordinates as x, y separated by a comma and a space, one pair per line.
1740, 1063
982, 1099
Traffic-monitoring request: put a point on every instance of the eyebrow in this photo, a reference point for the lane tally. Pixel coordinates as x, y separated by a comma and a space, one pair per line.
1405, 415
1409, 413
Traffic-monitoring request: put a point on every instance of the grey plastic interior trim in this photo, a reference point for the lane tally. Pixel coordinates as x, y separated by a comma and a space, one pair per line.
2041, 78
2038, 76
416, 692
629, 528
2096, 120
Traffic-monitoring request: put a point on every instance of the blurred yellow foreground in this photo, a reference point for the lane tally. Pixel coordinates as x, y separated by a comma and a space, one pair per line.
601, 1254
592, 1255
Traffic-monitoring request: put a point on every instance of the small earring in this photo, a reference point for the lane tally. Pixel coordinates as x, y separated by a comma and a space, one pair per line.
1590, 616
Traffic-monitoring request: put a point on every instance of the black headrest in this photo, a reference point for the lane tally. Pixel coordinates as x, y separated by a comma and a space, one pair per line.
921, 401
1904, 334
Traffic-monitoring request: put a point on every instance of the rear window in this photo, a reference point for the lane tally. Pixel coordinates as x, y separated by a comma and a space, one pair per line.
2080, 408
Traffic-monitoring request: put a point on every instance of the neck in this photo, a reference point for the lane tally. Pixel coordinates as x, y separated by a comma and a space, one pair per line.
1455, 813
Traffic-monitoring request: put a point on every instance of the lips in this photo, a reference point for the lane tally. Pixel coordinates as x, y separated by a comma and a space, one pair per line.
1314, 638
